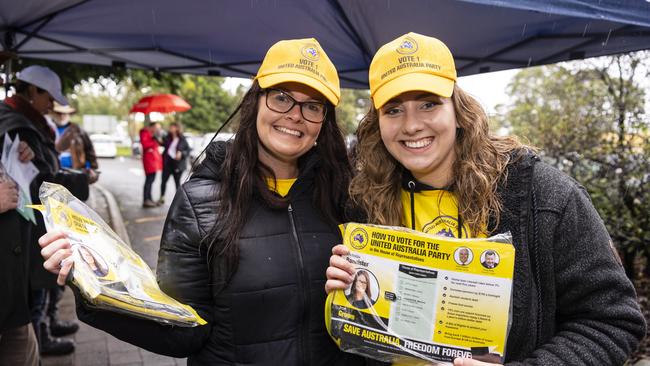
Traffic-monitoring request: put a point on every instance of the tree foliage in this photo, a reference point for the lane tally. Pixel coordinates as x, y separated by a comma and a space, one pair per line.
354, 104
211, 103
112, 91
101, 95
590, 122
100, 90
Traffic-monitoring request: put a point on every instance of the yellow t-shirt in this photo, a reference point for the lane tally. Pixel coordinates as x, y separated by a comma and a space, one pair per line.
436, 212
280, 186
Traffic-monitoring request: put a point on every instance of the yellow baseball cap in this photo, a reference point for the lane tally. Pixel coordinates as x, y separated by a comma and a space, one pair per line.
411, 62
301, 61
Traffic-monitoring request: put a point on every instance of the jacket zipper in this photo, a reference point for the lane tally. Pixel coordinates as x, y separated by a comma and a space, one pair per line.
303, 339
412, 194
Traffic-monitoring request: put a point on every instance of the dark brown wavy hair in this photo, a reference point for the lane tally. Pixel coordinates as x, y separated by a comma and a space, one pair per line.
243, 177
481, 161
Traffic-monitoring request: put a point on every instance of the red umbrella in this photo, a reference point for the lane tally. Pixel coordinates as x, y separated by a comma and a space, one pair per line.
162, 103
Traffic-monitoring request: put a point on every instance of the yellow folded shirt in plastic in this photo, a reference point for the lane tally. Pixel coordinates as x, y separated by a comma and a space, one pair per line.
421, 299
107, 272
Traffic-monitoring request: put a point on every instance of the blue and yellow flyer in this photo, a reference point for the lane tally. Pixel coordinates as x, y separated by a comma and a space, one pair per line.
418, 299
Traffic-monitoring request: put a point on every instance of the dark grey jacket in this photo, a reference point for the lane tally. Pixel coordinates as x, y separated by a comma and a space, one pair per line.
573, 304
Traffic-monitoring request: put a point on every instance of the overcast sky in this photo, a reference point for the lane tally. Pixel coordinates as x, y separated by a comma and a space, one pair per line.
489, 88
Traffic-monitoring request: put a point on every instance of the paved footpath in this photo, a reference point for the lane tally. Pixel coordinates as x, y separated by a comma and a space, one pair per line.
95, 347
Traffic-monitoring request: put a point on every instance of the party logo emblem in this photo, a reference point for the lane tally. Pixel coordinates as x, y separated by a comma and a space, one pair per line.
310, 52
444, 226
358, 238
407, 46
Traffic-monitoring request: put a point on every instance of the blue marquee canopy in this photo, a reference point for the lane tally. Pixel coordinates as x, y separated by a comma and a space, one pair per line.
230, 37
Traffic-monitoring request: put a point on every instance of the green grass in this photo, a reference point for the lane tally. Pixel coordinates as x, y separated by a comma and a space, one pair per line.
123, 151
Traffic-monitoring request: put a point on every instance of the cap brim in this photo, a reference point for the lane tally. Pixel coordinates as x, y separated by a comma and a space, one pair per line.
415, 81
59, 97
270, 80
64, 109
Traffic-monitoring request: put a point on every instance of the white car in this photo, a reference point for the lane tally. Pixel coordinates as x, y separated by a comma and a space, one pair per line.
202, 142
104, 145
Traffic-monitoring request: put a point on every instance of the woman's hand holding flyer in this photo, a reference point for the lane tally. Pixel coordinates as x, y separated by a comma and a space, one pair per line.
56, 252
408, 297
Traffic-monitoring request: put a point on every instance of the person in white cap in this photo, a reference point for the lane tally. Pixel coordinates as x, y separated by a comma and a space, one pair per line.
75, 148
22, 114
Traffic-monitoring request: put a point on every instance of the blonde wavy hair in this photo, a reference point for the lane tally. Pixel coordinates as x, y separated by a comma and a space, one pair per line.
481, 162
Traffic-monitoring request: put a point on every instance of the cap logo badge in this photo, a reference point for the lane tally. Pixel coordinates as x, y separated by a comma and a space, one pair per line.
407, 46
310, 52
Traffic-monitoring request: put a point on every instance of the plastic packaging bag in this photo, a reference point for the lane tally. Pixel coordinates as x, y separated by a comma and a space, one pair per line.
421, 299
107, 272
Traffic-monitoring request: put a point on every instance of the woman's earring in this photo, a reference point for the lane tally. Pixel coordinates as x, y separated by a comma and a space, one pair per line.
315, 143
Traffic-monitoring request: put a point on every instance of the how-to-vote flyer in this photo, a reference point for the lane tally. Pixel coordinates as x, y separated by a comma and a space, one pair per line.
417, 298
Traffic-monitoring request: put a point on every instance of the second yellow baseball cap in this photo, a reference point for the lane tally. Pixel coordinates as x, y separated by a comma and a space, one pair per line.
411, 62
301, 61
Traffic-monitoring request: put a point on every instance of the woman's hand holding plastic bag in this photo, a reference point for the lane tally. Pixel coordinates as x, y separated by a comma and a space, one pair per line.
56, 250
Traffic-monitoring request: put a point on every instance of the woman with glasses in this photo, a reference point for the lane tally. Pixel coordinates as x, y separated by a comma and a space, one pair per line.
248, 237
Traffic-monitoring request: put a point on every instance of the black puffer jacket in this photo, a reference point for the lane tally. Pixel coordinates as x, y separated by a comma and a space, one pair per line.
47, 163
271, 311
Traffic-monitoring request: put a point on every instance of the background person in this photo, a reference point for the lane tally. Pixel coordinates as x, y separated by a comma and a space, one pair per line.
425, 140
151, 159
174, 158
18, 344
22, 114
76, 150
253, 228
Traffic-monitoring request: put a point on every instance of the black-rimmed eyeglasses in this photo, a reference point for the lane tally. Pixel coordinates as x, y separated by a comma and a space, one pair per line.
281, 102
